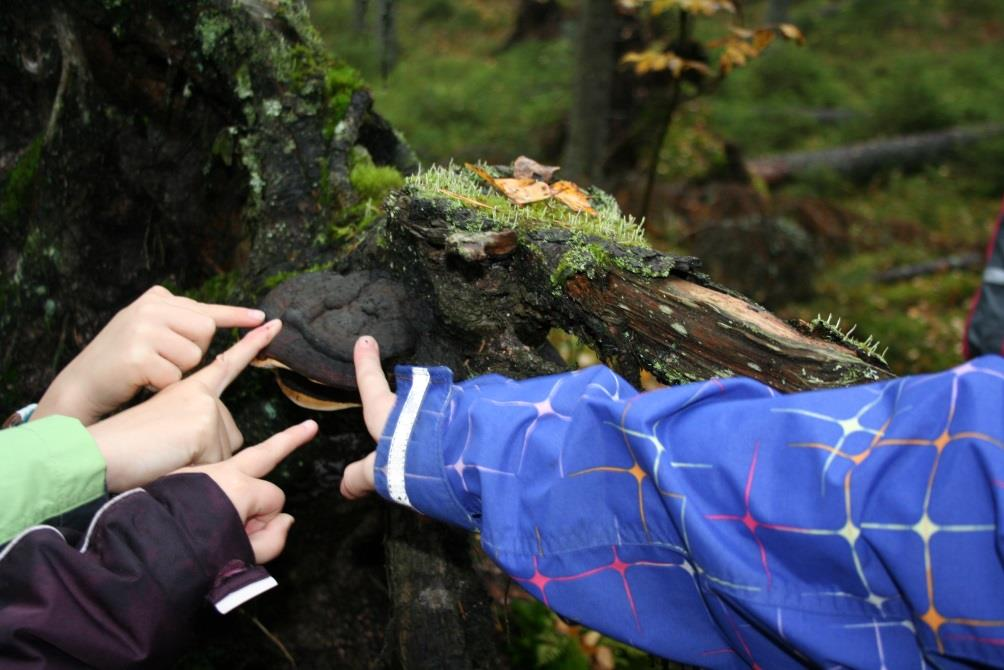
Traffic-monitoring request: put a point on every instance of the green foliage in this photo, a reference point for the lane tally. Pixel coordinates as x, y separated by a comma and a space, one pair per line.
536, 644
452, 107
909, 100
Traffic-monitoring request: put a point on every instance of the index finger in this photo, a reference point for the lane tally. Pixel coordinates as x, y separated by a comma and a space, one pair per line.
218, 374
225, 316
261, 459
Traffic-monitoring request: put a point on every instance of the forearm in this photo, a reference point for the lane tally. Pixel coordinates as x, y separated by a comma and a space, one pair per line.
125, 597
728, 502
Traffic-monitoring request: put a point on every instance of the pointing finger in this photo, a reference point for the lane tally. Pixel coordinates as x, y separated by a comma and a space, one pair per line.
261, 459
376, 395
225, 316
218, 375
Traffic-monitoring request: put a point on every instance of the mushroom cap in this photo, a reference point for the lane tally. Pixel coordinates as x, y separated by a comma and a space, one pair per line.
323, 314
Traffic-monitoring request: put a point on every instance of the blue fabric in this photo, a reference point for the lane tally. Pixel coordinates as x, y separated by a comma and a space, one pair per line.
727, 525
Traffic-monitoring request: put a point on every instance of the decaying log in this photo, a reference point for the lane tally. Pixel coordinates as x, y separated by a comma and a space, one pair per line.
860, 160
637, 307
967, 261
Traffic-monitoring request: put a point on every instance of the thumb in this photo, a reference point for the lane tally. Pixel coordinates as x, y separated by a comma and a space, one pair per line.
269, 542
358, 479
378, 401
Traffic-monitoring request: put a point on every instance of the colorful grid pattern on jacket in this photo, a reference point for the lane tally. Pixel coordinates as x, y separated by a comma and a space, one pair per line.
724, 524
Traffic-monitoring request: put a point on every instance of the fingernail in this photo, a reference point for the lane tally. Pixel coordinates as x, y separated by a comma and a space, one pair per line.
309, 423
274, 324
256, 314
367, 341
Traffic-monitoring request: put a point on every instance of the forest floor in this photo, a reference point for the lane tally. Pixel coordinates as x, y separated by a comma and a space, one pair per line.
868, 70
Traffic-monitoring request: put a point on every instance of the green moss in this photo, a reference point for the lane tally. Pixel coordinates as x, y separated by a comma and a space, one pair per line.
249, 158
279, 277
374, 182
19, 182
219, 289
868, 348
461, 187
210, 27
308, 70
591, 260
243, 87
340, 82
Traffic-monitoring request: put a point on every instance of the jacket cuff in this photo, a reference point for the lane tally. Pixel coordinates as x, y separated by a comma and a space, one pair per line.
214, 530
409, 462
50, 467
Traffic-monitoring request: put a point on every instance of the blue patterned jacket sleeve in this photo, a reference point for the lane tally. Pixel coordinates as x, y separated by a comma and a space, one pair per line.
722, 523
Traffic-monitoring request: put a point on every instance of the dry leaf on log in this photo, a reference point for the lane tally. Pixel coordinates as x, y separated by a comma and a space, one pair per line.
525, 191
572, 197
527, 168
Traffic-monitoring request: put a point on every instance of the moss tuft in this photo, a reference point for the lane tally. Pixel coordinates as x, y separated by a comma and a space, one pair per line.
374, 182
466, 190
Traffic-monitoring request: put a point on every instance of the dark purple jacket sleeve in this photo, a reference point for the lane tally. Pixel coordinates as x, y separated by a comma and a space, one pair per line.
124, 595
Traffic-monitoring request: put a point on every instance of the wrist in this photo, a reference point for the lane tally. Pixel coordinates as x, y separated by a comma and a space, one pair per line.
66, 396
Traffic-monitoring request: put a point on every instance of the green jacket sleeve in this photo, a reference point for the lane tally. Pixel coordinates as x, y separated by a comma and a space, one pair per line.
47, 468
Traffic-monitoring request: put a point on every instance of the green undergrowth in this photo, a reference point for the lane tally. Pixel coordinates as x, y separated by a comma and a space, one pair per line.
468, 190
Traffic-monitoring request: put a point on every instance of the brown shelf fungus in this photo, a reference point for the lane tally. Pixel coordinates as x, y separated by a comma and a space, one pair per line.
323, 313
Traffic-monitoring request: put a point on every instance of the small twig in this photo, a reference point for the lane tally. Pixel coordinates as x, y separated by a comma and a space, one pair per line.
470, 201
270, 635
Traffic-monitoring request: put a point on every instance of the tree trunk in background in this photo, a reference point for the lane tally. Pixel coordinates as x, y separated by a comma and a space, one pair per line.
360, 18
535, 19
777, 11
388, 38
592, 85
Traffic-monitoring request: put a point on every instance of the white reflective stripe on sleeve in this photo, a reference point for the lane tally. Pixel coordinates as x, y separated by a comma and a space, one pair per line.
97, 515
993, 276
402, 434
245, 593
23, 534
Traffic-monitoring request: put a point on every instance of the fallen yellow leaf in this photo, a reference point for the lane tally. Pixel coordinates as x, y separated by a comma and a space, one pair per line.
524, 191
571, 196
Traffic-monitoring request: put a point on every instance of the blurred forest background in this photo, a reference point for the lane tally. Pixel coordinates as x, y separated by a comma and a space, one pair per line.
469, 80
630, 96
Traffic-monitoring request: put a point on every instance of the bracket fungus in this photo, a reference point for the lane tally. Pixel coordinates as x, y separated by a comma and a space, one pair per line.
323, 313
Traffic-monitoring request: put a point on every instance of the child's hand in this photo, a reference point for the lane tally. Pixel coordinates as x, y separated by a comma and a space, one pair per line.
185, 424
378, 401
259, 503
150, 343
